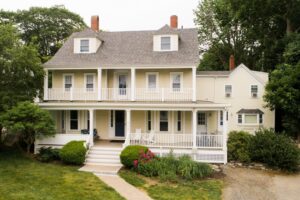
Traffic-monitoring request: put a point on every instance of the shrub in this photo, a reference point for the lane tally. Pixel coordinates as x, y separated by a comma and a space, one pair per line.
73, 153
48, 154
131, 153
238, 146
275, 150
149, 169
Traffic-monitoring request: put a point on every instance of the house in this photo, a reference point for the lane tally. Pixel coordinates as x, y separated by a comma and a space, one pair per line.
142, 87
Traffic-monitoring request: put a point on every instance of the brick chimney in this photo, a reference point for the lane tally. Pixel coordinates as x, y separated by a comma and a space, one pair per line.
231, 63
95, 23
174, 21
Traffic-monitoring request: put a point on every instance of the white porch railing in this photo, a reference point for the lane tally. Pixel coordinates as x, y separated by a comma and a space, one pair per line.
120, 94
174, 140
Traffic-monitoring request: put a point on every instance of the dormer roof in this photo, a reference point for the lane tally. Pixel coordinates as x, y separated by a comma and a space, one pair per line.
166, 29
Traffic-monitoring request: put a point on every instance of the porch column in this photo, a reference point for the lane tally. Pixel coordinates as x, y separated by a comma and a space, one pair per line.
194, 74
132, 84
194, 128
225, 136
91, 113
99, 81
128, 127
46, 85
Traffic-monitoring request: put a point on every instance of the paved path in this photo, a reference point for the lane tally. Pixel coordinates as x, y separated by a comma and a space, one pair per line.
125, 189
250, 184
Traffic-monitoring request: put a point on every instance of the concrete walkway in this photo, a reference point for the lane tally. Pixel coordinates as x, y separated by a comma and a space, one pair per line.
123, 188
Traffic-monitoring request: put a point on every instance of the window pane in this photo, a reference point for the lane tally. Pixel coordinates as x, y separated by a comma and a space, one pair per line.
163, 124
152, 81
228, 88
163, 115
178, 120
89, 82
165, 43
68, 81
74, 124
221, 118
201, 119
254, 88
176, 82
74, 114
250, 119
260, 118
73, 119
84, 45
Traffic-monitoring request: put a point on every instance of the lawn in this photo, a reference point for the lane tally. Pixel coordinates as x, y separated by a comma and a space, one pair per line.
188, 190
26, 178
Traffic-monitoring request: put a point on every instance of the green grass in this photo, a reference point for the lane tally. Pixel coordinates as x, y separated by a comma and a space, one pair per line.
210, 189
25, 178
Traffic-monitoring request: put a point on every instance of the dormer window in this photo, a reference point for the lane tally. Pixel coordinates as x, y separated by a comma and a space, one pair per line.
84, 46
165, 43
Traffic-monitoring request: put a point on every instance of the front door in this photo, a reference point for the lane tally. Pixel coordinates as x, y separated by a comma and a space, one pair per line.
201, 123
120, 123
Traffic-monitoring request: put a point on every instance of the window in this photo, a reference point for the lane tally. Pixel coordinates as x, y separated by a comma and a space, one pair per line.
201, 118
176, 79
221, 118
68, 82
149, 120
260, 118
254, 90
228, 90
250, 118
163, 121
227, 116
63, 120
89, 82
88, 120
84, 46
74, 120
240, 119
165, 43
50, 75
111, 118
179, 119
152, 82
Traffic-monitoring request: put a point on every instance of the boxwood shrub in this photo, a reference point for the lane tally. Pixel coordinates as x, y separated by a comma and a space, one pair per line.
132, 153
48, 154
73, 153
238, 145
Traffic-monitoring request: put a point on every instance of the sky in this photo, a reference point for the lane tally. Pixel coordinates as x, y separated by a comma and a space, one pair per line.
120, 15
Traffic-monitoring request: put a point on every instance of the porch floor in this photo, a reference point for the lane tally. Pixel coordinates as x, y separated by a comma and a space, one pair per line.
108, 143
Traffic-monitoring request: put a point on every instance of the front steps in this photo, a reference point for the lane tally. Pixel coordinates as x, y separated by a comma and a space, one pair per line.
103, 160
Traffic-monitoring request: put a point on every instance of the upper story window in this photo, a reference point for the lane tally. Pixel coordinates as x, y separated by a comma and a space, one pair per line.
254, 90
84, 46
176, 81
165, 43
152, 81
68, 82
89, 82
228, 90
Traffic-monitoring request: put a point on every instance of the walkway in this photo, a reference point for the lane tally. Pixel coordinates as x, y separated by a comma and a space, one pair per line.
123, 188
250, 184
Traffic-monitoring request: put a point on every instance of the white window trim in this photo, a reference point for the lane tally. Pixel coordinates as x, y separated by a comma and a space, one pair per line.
157, 81
64, 79
257, 94
83, 52
231, 94
94, 81
171, 80
170, 43
250, 124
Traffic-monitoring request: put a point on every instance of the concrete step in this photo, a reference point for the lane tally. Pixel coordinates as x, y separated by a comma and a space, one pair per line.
101, 169
101, 152
106, 149
102, 160
113, 157
104, 164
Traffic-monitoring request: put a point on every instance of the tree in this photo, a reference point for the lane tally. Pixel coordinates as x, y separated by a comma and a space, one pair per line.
283, 89
30, 121
254, 31
21, 74
47, 28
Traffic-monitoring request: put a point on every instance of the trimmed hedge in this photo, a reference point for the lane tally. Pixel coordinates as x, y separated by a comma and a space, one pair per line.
47, 154
238, 145
275, 150
73, 153
132, 153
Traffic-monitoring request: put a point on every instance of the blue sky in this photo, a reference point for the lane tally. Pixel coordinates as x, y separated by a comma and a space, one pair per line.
119, 15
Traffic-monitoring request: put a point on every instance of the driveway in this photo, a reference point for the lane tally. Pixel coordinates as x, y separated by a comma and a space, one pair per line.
248, 184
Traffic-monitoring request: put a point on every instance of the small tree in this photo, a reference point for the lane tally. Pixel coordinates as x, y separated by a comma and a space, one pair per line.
29, 121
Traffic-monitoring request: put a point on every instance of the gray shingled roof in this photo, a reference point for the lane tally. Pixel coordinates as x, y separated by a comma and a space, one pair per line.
128, 48
214, 73
250, 111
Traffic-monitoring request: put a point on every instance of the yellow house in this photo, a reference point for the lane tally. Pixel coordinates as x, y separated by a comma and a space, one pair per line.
142, 87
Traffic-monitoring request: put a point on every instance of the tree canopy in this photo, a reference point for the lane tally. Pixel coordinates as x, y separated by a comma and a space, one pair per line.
46, 28
253, 30
29, 121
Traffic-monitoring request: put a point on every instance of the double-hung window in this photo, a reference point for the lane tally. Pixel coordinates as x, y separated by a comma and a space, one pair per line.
84, 46
74, 120
163, 121
68, 82
149, 121
254, 90
240, 119
179, 121
89, 82
165, 43
228, 90
152, 81
176, 82
221, 118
